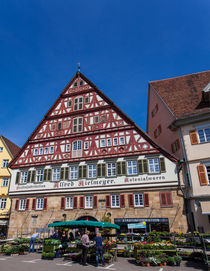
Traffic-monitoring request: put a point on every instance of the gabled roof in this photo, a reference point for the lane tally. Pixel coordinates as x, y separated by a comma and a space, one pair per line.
183, 94
12, 147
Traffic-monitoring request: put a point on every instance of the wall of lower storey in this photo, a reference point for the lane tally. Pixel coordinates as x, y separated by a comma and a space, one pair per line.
26, 222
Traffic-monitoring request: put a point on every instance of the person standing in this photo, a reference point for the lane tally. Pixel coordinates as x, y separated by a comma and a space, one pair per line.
85, 245
32, 241
98, 241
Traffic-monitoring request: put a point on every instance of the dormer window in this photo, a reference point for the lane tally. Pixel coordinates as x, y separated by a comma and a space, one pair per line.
206, 93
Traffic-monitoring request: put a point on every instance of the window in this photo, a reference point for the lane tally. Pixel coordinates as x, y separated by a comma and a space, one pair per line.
92, 171
24, 175
204, 135
78, 103
59, 126
39, 203
155, 110
154, 165
86, 146
69, 203
68, 147
122, 140
175, 146
1, 149
77, 145
5, 182
103, 143
5, 163
157, 131
88, 201
70, 103
39, 175
46, 150
109, 142
35, 151
22, 204
115, 141
166, 199
138, 200
111, 169
3, 203
132, 167
208, 172
86, 100
81, 83
75, 84
115, 200
56, 174
73, 172
96, 119
40, 151
51, 150
77, 124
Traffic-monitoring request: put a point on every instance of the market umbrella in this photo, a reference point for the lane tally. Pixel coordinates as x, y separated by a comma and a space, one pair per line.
84, 223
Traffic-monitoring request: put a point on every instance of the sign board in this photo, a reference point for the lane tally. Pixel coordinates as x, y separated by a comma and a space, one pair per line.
141, 225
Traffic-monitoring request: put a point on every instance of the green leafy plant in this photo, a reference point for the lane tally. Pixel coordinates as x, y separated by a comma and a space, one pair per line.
171, 261
177, 259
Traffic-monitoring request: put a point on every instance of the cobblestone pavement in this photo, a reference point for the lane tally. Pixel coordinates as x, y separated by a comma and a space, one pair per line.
33, 262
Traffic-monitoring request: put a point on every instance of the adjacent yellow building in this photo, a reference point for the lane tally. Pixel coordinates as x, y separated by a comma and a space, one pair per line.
7, 152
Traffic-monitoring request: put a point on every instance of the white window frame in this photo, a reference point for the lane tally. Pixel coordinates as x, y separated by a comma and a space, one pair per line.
51, 149
73, 175
86, 145
56, 174
88, 202
138, 200
92, 171
154, 166
3, 203
39, 175
132, 167
69, 201
203, 129
5, 182
77, 145
207, 171
40, 151
36, 152
46, 150
24, 176
5, 163
115, 141
103, 143
122, 140
1, 149
68, 147
22, 205
109, 142
77, 125
78, 103
111, 169
39, 203
115, 201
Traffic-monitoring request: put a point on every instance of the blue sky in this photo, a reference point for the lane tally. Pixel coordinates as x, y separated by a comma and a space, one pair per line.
121, 45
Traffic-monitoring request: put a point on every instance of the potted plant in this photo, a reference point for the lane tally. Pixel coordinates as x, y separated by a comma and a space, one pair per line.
48, 255
171, 261
108, 257
147, 262
177, 260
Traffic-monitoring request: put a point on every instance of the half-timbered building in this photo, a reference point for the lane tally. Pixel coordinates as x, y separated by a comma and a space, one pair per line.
87, 159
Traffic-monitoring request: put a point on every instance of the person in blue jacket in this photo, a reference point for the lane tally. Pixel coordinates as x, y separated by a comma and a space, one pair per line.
99, 248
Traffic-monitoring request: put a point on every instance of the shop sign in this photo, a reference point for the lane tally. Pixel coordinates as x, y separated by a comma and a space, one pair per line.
141, 225
138, 220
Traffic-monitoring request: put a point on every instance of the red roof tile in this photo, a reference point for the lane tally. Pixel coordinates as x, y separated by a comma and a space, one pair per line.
13, 148
183, 94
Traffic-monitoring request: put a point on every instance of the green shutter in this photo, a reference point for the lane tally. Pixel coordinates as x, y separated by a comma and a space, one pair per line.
103, 170
124, 168
17, 178
33, 174
80, 172
119, 168
29, 177
99, 170
145, 166
162, 164
45, 175
84, 171
66, 173
62, 174
49, 174
140, 166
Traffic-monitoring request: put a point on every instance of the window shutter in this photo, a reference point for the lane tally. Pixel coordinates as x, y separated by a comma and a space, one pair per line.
108, 201
75, 203
80, 172
140, 166
145, 166
84, 171
66, 173
162, 164
99, 170
103, 170
202, 175
124, 168
63, 203
95, 202
169, 199
82, 202
193, 137
119, 168
122, 201
17, 178
27, 204
29, 176
130, 200
16, 204
34, 204
146, 199
45, 174
33, 172
45, 203
49, 174
162, 199
62, 174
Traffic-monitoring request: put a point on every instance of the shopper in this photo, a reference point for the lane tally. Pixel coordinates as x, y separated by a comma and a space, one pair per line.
85, 246
98, 241
32, 241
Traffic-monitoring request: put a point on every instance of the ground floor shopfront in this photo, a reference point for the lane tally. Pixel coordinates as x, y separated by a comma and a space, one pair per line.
29, 213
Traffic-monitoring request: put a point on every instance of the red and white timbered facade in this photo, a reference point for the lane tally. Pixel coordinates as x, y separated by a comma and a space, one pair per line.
84, 146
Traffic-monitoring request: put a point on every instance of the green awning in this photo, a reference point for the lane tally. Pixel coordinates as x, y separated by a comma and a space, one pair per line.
84, 223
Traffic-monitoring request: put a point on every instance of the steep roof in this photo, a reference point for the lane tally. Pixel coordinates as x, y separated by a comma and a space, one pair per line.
12, 147
183, 94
